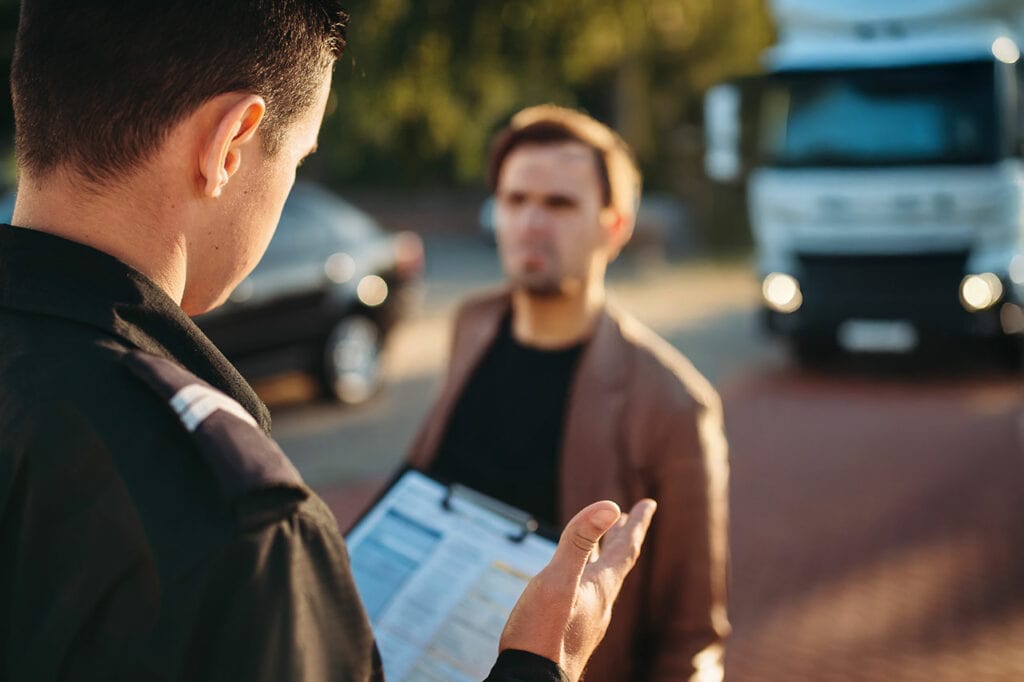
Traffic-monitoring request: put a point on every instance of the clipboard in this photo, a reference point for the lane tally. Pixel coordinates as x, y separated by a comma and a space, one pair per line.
439, 567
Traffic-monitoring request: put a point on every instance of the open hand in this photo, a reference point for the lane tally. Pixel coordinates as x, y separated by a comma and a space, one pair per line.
565, 610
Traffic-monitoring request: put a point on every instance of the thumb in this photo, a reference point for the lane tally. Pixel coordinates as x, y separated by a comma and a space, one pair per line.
581, 536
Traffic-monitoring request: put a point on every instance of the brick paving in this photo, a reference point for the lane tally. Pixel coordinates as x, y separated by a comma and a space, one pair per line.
877, 530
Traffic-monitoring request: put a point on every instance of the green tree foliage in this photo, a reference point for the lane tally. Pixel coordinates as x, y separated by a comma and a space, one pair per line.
426, 82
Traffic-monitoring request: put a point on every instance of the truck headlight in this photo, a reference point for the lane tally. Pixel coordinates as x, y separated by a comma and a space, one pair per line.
782, 292
1005, 50
980, 292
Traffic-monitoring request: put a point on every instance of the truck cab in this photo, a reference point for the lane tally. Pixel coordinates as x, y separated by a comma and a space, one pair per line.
886, 195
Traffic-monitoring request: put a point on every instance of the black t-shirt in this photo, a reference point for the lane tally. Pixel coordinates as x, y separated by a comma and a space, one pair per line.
505, 433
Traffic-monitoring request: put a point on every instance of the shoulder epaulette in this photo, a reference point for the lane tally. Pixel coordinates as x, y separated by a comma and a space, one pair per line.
243, 458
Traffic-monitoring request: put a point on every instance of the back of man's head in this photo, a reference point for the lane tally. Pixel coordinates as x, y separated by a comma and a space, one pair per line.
98, 84
550, 124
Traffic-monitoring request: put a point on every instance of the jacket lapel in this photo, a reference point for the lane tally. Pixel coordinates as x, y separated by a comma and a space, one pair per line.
593, 461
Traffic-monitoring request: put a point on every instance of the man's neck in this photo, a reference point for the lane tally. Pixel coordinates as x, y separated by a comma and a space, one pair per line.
556, 321
121, 224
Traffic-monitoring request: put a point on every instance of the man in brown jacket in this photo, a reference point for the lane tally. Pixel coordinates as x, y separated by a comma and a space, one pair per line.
554, 397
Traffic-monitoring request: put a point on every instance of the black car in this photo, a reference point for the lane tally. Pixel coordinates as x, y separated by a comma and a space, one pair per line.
323, 298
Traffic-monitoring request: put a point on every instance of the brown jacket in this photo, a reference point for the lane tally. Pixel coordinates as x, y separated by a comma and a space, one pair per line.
642, 422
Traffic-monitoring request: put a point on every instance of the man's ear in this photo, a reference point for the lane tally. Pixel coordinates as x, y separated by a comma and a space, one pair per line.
618, 227
236, 120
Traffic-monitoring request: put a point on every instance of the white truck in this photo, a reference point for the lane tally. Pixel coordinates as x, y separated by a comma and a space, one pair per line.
886, 194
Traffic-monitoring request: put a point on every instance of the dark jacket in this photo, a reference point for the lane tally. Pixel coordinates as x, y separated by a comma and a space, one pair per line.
149, 526
641, 422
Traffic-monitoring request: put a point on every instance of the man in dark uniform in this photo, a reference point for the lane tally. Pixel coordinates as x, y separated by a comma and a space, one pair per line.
149, 526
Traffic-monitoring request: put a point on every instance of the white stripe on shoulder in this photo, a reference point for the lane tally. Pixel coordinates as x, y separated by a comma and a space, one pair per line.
195, 402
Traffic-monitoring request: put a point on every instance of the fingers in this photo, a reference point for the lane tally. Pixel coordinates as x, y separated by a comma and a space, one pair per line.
622, 544
643, 512
559, 617
545, 611
581, 536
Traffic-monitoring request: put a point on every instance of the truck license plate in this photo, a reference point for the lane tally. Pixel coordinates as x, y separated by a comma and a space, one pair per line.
877, 336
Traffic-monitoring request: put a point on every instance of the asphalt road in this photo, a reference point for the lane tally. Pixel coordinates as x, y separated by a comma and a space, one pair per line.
877, 514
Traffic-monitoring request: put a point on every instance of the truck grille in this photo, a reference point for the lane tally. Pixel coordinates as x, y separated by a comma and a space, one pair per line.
920, 288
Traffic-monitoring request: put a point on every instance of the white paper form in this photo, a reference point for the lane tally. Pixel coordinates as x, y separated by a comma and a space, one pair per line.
439, 583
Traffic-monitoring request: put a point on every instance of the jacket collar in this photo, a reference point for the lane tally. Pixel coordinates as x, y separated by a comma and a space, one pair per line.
47, 275
601, 361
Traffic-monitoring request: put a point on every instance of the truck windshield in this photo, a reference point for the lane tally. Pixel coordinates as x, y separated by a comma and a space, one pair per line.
893, 116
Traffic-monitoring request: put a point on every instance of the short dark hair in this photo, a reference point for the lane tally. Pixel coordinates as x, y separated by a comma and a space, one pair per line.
95, 82
550, 124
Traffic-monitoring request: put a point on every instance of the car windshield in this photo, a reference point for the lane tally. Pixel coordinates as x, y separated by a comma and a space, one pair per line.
914, 115
314, 224
300, 229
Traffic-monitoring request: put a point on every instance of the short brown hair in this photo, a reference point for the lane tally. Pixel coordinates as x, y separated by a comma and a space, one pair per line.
96, 82
550, 124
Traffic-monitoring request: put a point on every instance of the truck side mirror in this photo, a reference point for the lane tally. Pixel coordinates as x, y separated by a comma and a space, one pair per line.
722, 160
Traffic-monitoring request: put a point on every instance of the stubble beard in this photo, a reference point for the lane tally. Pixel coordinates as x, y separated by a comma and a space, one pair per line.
542, 283
539, 288
547, 281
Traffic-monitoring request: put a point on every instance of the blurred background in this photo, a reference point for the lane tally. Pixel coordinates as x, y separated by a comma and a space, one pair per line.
423, 85
830, 231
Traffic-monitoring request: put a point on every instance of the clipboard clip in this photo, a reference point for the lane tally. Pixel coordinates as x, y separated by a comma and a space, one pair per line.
525, 523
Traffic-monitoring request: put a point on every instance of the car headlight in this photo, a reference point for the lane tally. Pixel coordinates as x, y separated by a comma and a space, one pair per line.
372, 290
340, 267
